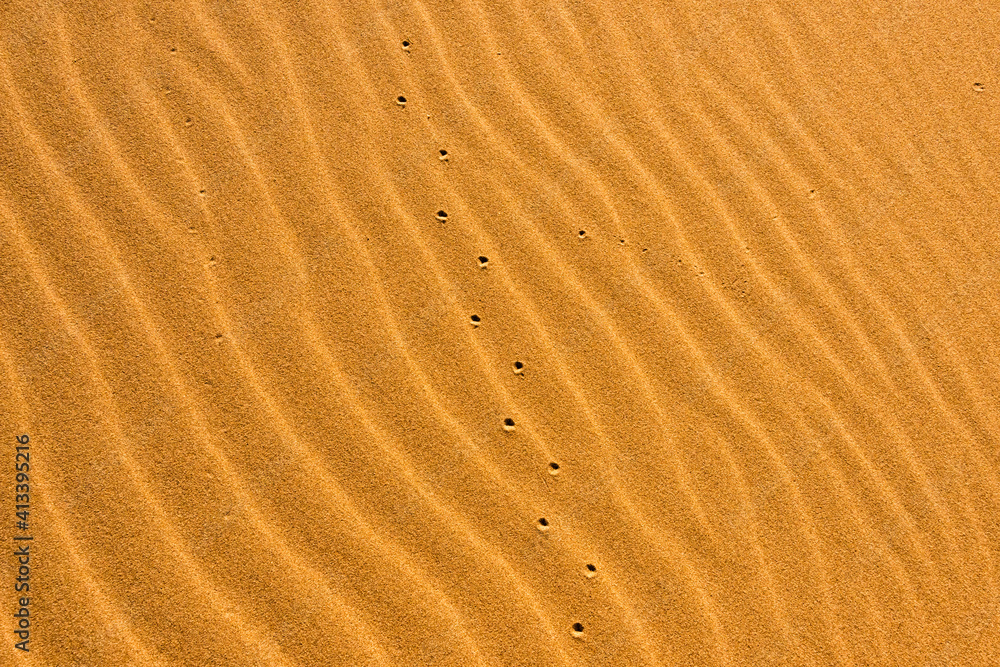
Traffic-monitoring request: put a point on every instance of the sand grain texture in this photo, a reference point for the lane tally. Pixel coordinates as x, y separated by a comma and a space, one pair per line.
502, 333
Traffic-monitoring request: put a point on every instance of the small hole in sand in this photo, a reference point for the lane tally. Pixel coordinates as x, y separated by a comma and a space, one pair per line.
483, 261
443, 153
173, 49
591, 570
508, 424
553, 468
578, 629
978, 87
518, 366
441, 215
543, 522
475, 319
621, 241
201, 192
406, 43
582, 233
401, 100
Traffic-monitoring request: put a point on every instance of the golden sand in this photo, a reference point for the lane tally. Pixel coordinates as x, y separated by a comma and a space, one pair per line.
501, 333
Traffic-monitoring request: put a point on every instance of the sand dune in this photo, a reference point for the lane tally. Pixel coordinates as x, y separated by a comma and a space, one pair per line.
520, 333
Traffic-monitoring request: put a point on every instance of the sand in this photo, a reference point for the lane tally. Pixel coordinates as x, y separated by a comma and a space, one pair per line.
501, 333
